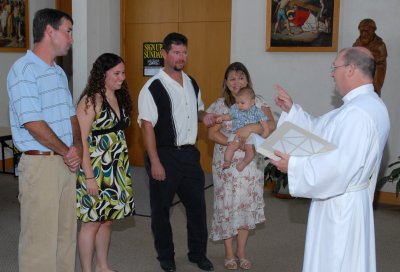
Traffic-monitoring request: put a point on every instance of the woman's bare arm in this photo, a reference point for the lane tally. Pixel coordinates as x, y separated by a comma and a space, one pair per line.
215, 135
271, 121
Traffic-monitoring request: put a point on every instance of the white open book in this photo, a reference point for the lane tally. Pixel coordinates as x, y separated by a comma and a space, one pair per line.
293, 140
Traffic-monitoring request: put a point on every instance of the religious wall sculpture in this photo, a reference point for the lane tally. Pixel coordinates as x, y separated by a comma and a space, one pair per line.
375, 44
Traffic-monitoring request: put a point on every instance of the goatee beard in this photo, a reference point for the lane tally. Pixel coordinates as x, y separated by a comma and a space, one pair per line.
176, 69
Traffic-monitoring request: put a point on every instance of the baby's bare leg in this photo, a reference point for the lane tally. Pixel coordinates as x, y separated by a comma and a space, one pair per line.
230, 150
249, 152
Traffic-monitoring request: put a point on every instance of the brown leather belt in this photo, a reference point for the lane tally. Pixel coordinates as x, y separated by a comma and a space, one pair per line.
38, 152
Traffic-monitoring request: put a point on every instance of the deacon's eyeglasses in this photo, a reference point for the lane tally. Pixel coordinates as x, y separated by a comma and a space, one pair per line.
334, 67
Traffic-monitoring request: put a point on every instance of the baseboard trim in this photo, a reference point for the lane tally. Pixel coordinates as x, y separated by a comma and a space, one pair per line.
380, 197
9, 163
387, 198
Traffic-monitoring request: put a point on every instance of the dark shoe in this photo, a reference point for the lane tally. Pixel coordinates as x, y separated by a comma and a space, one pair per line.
203, 264
168, 265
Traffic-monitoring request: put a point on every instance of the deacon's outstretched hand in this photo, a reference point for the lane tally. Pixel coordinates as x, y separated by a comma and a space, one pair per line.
282, 99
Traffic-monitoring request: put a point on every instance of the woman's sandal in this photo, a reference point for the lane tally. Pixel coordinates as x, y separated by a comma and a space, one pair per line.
244, 264
231, 264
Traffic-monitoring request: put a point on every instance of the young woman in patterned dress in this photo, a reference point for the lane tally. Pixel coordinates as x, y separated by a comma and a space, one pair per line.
104, 187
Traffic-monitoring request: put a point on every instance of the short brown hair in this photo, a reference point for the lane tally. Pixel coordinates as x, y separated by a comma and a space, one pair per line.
247, 91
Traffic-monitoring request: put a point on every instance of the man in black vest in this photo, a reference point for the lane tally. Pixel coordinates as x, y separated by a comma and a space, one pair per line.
170, 107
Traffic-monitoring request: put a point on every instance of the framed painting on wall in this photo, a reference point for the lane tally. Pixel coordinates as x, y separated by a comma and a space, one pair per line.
302, 25
14, 26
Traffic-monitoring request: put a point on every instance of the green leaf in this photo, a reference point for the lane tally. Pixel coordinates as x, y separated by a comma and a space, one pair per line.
394, 163
272, 174
394, 176
380, 183
277, 186
285, 181
395, 172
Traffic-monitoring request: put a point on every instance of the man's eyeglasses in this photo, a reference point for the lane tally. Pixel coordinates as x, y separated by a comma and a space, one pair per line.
334, 67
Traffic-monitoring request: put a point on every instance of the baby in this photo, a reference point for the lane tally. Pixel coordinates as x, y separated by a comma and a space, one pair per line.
243, 112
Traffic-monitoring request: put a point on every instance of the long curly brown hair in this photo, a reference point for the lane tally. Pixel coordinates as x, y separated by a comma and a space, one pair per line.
226, 93
96, 84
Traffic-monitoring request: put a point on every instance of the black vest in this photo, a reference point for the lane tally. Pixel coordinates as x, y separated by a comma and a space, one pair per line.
164, 129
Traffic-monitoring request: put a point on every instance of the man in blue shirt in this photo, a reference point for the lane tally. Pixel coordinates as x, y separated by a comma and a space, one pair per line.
44, 127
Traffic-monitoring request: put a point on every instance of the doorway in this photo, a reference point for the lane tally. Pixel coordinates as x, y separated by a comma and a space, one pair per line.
206, 24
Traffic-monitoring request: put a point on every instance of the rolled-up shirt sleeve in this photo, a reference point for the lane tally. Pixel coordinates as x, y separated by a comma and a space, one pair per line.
200, 103
147, 108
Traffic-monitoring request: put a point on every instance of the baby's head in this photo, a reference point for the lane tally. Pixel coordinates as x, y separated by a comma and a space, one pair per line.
245, 98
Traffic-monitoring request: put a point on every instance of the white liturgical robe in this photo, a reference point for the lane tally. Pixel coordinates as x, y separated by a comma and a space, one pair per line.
341, 183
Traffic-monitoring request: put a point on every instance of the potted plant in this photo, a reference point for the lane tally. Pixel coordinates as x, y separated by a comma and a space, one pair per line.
394, 176
277, 180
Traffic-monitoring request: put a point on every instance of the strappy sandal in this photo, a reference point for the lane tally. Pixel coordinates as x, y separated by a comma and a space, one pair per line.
231, 264
244, 264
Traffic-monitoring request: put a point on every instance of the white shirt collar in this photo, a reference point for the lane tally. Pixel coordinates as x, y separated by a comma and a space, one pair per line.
363, 89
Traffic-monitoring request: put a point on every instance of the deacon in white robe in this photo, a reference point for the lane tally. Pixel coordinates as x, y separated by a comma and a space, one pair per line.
341, 183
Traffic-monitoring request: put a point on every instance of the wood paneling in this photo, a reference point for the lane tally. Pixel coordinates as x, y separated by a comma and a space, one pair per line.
208, 55
208, 58
64, 5
151, 11
66, 61
136, 34
207, 26
386, 198
205, 11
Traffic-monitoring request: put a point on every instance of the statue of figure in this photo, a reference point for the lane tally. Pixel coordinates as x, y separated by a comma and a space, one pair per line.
375, 44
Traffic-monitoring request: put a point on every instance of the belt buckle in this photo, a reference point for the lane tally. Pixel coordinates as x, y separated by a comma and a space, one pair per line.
185, 146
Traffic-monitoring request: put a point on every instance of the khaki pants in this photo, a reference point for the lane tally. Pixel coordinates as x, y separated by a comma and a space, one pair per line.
47, 240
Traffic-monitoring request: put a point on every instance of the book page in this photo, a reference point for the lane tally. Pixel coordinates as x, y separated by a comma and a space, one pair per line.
293, 140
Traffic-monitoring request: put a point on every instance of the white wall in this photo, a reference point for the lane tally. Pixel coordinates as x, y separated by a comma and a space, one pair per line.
96, 31
7, 59
306, 76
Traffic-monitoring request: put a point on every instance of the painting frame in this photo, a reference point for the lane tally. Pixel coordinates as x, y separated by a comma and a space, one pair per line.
14, 37
309, 25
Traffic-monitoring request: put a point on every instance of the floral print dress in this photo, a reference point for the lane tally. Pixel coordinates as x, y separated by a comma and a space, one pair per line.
109, 158
238, 196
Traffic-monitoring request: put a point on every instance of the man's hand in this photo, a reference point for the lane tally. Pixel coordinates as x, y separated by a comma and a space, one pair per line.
73, 158
158, 171
282, 99
283, 163
209, 119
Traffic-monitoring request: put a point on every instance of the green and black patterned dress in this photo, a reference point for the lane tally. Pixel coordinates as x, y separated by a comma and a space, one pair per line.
109, 158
